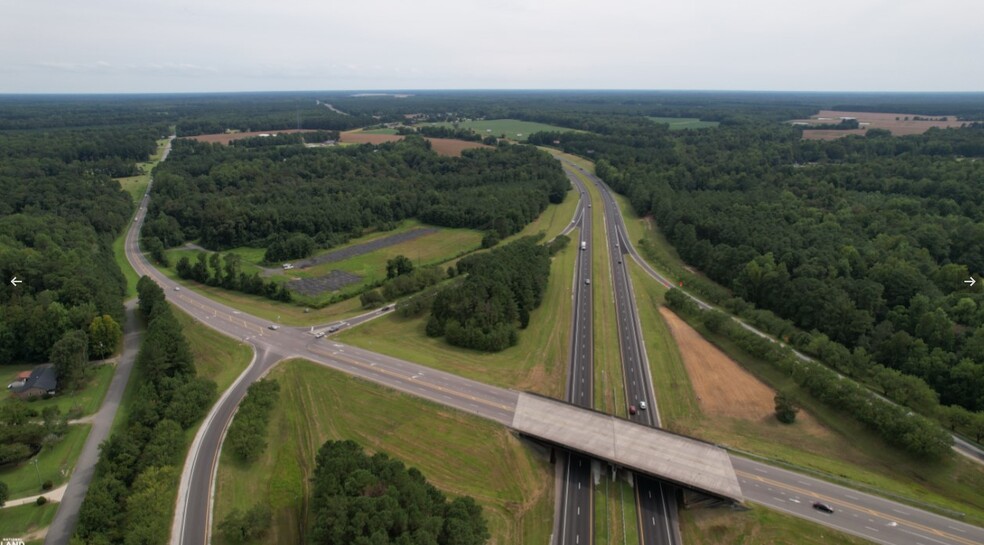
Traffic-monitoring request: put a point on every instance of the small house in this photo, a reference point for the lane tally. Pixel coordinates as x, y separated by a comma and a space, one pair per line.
43, 380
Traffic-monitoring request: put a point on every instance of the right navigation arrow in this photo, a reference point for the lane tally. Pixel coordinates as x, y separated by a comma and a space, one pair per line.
972, 281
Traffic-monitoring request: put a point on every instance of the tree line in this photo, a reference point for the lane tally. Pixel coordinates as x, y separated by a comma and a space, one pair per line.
225, 271
131, 496
486, 310
374, 499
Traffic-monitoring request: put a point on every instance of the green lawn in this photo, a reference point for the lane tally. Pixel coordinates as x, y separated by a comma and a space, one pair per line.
217, 356
88, 398
22, 521
54, 464
679, 123
538, 362
458, 453
756, 525
513, 129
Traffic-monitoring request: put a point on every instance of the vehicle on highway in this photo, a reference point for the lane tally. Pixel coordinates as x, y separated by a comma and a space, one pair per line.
273, 327
820, 506
632, 409
584, 245
587, 281
334, 328
319, 334
387, 307
177, 288
642, 405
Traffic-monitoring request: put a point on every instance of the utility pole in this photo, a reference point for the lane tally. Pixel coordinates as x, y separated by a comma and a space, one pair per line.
38, 471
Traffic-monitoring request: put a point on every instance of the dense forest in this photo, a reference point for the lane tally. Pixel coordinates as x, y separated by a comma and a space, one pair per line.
59, 214
125, 502
227, 196
864, 240
377, 500
500, 288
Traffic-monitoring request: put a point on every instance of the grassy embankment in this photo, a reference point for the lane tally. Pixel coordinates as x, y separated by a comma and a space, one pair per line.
757, 525
849, 452
458, 453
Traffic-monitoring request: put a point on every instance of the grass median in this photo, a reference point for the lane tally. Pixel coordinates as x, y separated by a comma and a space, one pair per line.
458, 453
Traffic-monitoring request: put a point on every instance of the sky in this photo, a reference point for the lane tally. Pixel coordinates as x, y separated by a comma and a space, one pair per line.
139, 46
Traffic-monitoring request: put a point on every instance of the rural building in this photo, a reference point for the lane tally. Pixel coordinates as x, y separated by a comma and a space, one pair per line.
42, 380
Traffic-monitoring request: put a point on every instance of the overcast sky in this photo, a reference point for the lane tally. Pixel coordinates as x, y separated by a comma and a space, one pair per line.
107, 46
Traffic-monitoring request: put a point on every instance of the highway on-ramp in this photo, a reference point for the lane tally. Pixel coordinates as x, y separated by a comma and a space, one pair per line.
191, 524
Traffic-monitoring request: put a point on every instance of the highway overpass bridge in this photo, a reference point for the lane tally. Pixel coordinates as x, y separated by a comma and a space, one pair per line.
688, 463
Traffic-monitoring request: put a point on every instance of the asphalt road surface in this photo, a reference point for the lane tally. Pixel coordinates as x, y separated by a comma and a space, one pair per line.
192, 524
576, 509
63, 525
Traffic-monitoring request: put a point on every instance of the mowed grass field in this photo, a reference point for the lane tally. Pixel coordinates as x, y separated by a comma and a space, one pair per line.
458, 453
680, 123
54, 463
538, 362
756, 525
512, 129
24, 521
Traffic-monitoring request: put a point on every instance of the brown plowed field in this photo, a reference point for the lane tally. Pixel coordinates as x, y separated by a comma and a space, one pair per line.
722, 386
875, 120
442, 146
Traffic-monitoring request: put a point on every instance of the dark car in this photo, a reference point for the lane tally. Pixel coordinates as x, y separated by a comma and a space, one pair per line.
632, 409
820, 506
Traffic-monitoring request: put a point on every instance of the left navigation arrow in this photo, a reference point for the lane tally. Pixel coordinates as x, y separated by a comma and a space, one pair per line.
14, 281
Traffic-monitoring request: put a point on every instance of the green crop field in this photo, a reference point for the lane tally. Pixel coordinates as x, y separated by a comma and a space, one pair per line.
458, 453
512, 129
679, 123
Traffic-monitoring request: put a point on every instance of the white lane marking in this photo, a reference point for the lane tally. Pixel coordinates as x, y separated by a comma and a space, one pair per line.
851, 497
778, 499
920, 536
957, 529
900, 512
794, 500
872, 529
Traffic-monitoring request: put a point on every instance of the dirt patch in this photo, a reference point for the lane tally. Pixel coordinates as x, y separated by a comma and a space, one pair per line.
225, 138
442, 146
722, 386
451, 147
898, 124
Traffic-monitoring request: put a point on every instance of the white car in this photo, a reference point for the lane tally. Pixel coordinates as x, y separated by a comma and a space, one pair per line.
177, 288
642, 405
273, 327
319, 334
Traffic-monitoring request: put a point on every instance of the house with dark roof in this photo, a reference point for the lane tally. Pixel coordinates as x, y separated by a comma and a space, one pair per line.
42, 381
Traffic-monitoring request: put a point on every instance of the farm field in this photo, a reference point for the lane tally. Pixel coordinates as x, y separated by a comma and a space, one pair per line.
513, 129
442, 146
511, 481
899, 124
680, 123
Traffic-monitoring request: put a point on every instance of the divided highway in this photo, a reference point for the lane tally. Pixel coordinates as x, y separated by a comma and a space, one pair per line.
857, 513
655, 501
